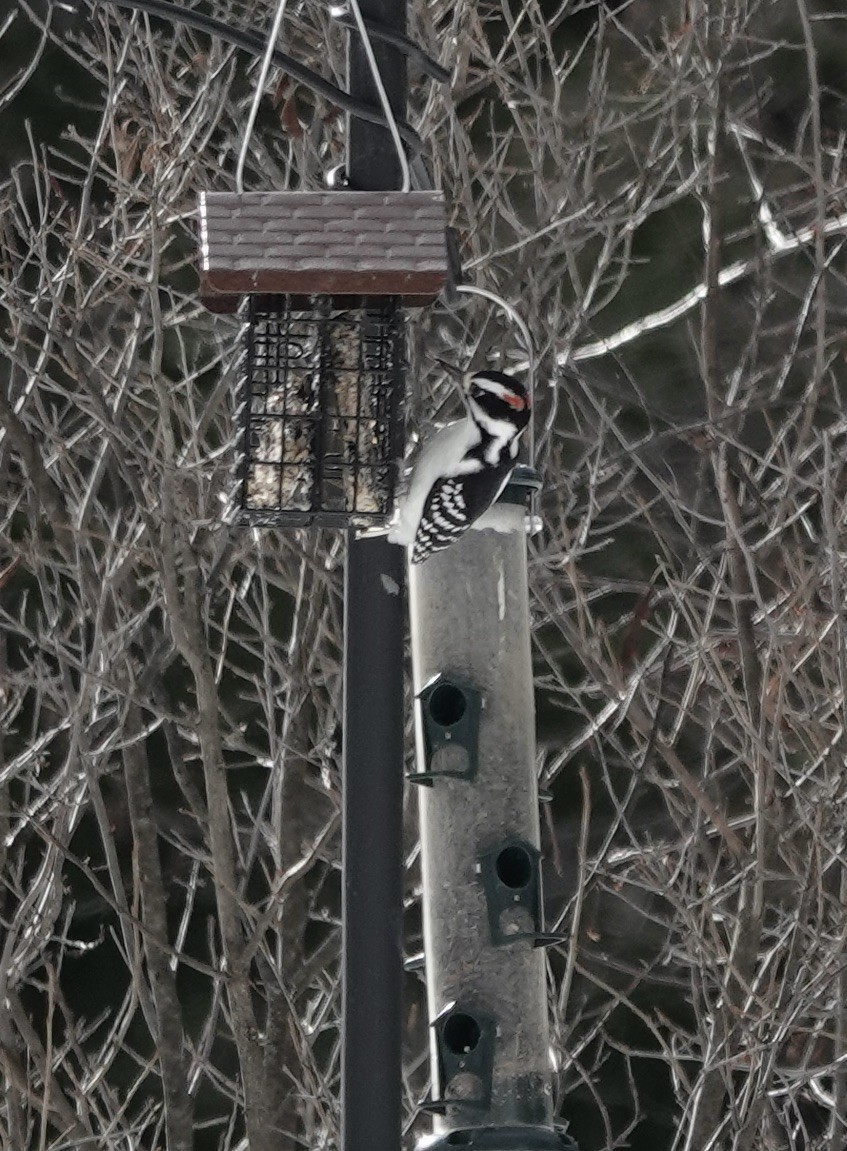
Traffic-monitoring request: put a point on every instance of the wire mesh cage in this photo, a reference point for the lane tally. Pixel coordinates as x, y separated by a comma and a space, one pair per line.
322, 279
320, 417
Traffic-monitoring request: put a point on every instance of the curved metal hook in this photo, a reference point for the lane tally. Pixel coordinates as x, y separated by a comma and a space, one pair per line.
256, 46
383, 96
267, 60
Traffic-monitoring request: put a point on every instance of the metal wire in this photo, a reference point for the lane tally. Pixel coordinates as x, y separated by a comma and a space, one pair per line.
267, 60
379, 31
249, 42
383, 95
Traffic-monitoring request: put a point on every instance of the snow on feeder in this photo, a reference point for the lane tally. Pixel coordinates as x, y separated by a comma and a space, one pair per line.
321, 280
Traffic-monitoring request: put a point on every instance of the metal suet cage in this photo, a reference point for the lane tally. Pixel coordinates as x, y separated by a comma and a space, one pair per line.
320, 414
321, 281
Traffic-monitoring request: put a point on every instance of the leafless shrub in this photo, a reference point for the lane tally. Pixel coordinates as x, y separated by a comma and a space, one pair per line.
660, 188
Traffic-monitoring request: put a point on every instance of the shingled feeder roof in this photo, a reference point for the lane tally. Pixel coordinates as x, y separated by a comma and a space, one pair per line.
321, 243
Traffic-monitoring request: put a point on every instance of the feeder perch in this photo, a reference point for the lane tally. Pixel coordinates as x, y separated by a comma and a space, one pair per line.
464, 1042
511, 878
320, 280
450, 714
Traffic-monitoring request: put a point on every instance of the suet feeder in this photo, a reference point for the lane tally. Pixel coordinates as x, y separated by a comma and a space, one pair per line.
321, 280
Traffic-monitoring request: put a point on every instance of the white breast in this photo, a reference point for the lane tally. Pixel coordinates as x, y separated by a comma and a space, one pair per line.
440, 455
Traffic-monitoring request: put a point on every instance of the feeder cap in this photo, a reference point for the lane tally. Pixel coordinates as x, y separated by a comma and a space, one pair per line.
499, 1139
344, 245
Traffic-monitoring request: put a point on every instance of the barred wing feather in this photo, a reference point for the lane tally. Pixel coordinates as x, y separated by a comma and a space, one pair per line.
445, 518
453, 504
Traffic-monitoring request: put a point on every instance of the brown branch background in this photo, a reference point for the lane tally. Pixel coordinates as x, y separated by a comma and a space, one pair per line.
659, 186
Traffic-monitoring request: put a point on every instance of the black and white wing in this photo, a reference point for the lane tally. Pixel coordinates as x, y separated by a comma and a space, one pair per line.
444, 518
453, 504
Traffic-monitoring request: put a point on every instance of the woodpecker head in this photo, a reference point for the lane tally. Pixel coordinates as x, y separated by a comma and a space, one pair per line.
498, 397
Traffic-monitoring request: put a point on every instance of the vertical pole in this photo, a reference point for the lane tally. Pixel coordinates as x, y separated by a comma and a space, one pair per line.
469, 609
372, 851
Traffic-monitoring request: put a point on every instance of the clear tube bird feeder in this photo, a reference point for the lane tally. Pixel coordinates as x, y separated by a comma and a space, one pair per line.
321, 281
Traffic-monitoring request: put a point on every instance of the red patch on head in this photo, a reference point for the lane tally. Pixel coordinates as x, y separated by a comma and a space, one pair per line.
515, 401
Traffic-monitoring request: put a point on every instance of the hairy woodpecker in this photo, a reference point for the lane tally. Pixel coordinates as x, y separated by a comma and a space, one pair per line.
464, 467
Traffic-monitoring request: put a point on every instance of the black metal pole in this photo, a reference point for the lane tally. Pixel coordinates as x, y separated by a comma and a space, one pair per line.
371, 1098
